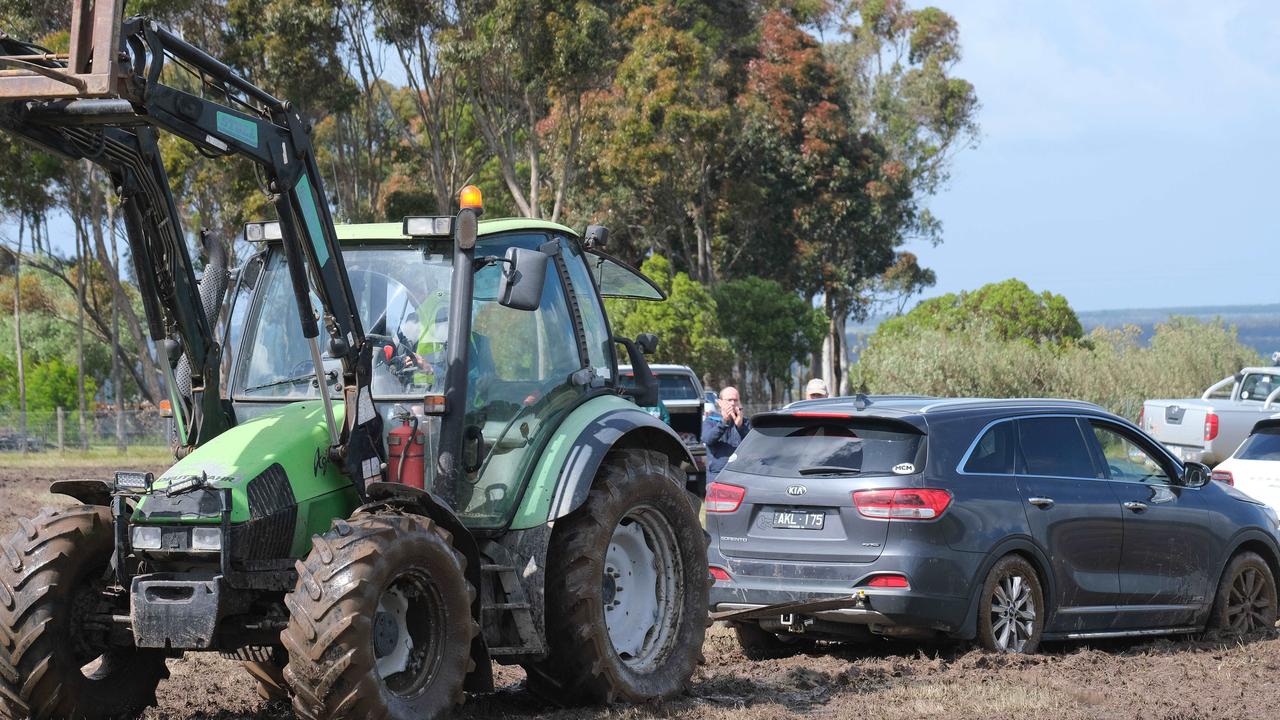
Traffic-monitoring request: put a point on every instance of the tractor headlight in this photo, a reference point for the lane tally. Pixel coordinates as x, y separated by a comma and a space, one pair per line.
137, 482
206, 539
146, 538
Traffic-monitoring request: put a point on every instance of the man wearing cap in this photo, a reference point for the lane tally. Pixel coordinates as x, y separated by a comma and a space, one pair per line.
723, 435
815, 390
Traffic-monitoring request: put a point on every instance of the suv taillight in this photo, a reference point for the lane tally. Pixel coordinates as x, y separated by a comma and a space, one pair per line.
1142, 415
889, 580
903, 504
1223, 476
722, 498
1210, 426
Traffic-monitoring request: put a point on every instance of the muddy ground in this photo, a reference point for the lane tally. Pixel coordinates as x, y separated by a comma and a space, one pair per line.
1161, 680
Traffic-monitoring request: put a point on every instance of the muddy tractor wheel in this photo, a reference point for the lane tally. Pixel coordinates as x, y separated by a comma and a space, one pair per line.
757, 643
55, 657
1246, 598
626, 588
380, 622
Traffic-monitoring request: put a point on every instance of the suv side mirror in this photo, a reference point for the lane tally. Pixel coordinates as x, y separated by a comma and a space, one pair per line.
1195, 475
523, 274
648, 343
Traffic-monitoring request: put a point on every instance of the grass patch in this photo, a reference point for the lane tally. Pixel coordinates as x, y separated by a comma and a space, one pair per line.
93, 457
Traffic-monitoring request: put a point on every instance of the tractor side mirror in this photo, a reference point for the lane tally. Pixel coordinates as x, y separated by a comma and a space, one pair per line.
596, 237
646, 391
523, 274
648, 343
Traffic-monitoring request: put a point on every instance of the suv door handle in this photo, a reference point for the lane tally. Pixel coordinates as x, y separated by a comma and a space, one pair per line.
1135, 506
1041, 502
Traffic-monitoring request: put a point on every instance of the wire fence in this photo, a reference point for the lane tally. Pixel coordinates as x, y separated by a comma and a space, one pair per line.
61, 429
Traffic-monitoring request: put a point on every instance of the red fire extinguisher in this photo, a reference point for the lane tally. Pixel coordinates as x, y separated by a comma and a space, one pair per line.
405, 447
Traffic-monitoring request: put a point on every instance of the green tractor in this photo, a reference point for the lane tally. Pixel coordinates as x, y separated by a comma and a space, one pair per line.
421, 462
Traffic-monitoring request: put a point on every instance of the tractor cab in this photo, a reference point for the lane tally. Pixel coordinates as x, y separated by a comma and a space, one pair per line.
527, 366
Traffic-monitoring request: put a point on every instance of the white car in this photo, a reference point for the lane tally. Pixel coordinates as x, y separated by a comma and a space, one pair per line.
1254, 468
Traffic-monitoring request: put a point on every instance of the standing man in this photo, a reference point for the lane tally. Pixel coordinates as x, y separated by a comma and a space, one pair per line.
723, 436
815, 390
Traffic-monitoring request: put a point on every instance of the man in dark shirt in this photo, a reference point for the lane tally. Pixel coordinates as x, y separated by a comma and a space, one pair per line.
723, 435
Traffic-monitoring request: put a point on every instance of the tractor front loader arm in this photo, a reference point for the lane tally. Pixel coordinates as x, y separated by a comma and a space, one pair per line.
118, 132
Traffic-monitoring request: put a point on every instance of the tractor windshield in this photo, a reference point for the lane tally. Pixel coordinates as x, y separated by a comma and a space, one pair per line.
402, 292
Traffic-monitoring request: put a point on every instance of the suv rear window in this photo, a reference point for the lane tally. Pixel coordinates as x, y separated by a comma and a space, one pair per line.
802, 447
671, 386
1262, 445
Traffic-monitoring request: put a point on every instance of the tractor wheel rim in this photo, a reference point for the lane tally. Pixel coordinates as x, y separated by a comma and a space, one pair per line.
1013, 613
640, 586
408, 633
1248, 601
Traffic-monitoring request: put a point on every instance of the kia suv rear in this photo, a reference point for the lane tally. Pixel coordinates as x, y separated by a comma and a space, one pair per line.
1007, 521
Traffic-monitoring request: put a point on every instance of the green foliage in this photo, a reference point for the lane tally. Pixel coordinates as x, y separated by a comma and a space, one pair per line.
687, 324
49, 331
1007, 310
771, 327
51, 383
1113, 368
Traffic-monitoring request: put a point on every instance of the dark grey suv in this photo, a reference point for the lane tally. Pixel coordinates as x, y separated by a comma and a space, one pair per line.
1009, 521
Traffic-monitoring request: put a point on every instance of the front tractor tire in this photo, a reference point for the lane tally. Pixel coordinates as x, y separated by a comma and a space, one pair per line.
55, 659
626, 588
380, 621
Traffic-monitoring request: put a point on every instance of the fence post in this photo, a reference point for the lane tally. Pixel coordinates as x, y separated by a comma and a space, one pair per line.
61, 447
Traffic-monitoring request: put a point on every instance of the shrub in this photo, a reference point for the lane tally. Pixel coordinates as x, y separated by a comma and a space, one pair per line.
1110, 367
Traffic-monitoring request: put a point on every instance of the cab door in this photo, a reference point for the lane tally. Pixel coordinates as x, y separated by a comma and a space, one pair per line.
1168, 549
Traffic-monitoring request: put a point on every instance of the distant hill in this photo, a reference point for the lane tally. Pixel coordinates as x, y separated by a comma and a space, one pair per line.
1258, 325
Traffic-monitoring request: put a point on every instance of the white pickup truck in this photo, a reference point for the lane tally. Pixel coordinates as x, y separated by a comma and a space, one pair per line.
1210, 428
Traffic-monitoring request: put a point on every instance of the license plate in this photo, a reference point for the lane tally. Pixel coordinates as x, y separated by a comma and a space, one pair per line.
798, 520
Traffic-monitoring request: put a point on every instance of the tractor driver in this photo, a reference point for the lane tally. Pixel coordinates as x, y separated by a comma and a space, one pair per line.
429, 357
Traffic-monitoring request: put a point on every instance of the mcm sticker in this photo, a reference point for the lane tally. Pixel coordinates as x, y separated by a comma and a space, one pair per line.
903, 469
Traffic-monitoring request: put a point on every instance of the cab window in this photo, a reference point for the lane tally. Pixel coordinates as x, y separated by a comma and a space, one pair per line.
599, 346
522, 380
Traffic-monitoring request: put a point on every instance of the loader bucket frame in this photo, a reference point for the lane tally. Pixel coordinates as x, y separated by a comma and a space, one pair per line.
91, 69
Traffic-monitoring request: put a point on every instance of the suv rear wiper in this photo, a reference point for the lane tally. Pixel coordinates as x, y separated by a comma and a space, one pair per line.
828, 470
330, 376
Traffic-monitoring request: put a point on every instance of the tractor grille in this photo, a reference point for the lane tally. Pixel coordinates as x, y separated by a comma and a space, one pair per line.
268, 535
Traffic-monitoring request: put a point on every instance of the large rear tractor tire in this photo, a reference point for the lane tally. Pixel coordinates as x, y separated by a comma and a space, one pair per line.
54, 656
626, 588
380, 622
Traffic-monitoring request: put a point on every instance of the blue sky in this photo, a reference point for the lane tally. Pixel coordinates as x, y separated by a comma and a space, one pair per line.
1128, 152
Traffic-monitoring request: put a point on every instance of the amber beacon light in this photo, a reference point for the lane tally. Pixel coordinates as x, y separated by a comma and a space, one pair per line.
471, 199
